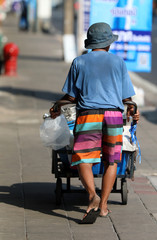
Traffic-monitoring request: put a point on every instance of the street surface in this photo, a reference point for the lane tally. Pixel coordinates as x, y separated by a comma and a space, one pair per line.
28, 209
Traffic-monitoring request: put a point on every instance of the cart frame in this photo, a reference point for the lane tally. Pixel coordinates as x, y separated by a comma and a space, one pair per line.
60, 170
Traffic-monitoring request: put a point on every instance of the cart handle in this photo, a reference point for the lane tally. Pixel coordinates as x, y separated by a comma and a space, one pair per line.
61, 102
55, 106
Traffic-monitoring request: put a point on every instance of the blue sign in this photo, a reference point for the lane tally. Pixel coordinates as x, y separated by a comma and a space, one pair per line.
86, 14
131, 20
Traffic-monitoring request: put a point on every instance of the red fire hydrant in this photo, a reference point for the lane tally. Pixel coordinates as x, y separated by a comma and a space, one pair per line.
10, 52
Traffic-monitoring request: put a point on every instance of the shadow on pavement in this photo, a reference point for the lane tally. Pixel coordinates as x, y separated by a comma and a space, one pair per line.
44, 95
40, 197
40, 58
37, 197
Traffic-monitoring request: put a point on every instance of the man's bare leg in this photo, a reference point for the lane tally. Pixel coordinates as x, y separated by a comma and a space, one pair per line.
108, 180
87, 179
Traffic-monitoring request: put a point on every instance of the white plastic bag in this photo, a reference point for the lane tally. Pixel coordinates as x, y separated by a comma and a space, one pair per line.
55, 133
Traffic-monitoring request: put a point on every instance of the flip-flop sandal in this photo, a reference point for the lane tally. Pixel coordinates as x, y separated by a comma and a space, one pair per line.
91, 216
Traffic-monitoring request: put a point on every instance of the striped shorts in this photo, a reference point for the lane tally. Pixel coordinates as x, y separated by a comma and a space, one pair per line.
98, 137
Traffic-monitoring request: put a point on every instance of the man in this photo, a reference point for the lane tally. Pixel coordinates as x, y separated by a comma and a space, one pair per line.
99, 84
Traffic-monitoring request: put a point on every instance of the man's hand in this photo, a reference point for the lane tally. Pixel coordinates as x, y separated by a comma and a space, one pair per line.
130, 112
55, 111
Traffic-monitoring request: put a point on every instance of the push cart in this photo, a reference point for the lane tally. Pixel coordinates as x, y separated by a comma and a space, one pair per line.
125, 169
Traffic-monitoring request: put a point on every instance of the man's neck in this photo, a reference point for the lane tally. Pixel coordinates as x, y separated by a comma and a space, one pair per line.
99, 49
106, 49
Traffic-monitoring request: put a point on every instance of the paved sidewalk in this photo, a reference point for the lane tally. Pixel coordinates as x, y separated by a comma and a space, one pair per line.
28, 209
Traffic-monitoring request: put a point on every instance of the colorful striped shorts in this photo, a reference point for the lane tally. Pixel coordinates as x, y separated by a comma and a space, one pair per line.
98, 137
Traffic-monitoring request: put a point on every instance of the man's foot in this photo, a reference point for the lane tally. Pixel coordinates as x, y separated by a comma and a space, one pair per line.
94, 203
104, 213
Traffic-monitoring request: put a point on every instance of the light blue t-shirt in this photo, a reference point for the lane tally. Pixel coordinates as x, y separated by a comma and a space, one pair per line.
98, 79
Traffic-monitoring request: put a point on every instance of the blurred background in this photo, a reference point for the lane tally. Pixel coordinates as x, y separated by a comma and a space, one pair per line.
38, 41
68, 18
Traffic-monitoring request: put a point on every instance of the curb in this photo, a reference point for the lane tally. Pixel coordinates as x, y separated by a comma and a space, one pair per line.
145, 90
143, 82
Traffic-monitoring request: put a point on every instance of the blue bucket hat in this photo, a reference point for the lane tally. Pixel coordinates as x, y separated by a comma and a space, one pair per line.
99, 35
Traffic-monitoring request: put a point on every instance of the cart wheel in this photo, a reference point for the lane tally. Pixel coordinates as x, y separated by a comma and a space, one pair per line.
124, 191
132, 164
58, 191
54, 160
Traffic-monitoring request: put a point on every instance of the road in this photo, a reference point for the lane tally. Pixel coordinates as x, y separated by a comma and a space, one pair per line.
27, 188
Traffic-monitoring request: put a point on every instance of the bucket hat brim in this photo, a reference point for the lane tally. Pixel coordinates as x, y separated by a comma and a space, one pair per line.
100, 44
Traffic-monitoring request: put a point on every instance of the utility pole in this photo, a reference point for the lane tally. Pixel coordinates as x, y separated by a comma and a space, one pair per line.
80, 33
68, 17
69, 45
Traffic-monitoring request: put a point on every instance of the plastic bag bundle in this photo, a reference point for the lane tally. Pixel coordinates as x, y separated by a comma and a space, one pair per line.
55, 133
